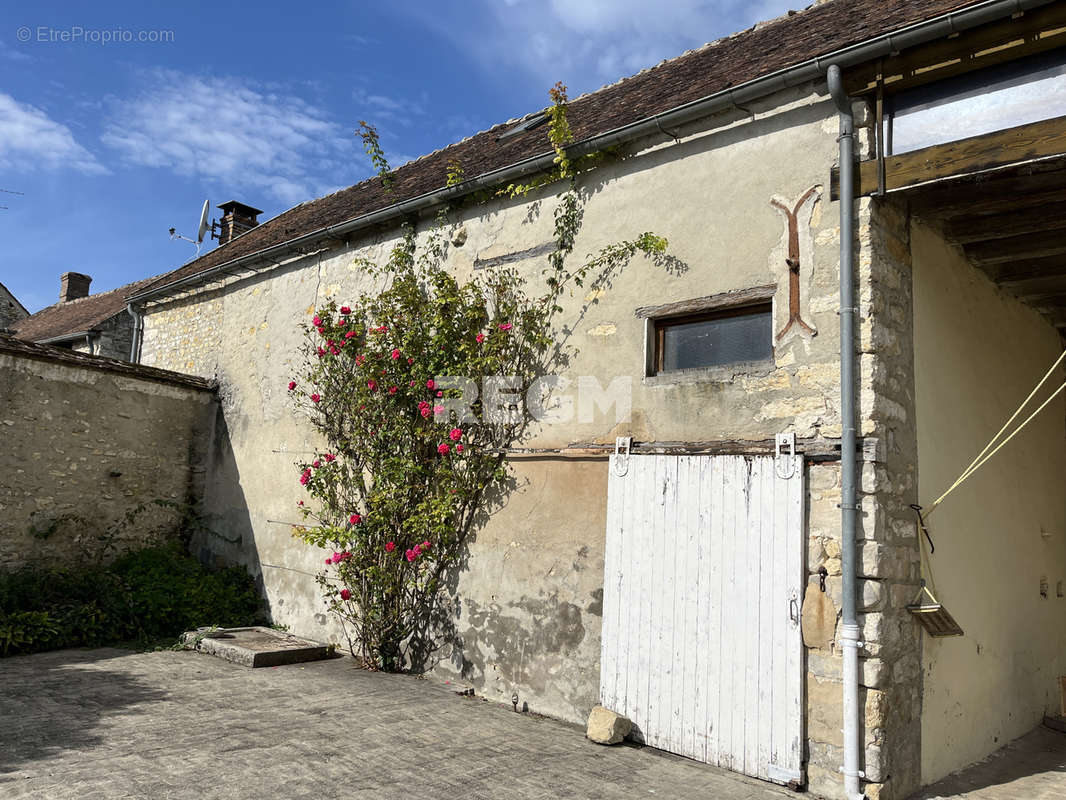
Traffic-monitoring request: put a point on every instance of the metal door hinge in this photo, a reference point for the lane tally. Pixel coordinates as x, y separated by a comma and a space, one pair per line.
620, 458
784, 442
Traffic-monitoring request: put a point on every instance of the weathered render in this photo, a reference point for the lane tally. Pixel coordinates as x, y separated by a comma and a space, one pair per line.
528, 615
86, 441
1000, 559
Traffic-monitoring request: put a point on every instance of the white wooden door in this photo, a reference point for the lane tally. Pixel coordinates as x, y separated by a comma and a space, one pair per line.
701, 640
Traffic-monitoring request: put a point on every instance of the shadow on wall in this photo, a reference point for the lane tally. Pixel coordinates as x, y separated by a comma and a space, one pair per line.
59, 701
225, 538
1033, 766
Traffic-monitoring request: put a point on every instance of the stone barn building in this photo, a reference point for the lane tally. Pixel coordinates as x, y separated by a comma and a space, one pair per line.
737, 578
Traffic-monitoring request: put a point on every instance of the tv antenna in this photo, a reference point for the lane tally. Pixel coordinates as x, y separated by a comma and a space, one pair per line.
9, 191
203, 228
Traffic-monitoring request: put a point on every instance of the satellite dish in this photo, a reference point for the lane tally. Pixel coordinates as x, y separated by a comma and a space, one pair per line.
204, 224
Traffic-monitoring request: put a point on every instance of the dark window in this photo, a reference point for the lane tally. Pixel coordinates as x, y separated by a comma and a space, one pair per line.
713, 338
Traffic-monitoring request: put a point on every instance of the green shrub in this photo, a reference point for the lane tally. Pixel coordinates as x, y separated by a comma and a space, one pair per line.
145, 596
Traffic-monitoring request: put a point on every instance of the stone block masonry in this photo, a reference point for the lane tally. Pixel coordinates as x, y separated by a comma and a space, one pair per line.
83, 442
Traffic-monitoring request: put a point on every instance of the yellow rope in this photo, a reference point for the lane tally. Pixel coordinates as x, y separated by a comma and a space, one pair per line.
982, 458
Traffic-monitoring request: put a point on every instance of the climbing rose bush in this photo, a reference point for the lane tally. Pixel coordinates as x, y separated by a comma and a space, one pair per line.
403, 480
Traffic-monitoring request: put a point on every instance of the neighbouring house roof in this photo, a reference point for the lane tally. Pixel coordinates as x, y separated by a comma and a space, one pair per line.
75, 316
821, 29
9, 345
4, 291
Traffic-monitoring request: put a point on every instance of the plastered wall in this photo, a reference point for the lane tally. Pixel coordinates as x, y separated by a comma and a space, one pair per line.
528, 618
978, 353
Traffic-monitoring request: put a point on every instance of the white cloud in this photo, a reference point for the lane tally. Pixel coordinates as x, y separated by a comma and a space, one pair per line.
592, 42
239, 135
30, 139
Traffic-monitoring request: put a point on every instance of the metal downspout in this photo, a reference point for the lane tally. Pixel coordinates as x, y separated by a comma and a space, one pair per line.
849, 630
135, 340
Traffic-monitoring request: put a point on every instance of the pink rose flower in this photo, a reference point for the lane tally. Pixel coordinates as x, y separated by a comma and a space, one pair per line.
345, 310
506, 326
412, 383
329, 560
410, 555
330, 457
321, 352
371, 384
360, 359
458, 448
317, 322
346, 594
455, 434
424, 411
390, 546
480, 338
417, 549
440, 394
425, 545
303, 479
395, 354
410, 361
336, 558
292, 385
355, 519
349, 334
316, 463
430, 384
443, 449
393, 389
438, 409
315, 397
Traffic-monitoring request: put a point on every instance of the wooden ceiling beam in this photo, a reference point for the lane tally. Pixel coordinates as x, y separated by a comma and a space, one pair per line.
1020, 272
1017, 248
970, 229
1014, 146
988, 198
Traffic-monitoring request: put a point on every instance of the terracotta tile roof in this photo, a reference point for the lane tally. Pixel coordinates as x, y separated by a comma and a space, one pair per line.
78, 315
789, 40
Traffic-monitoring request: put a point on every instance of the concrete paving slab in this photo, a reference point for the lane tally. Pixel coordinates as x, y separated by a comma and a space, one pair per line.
255, 646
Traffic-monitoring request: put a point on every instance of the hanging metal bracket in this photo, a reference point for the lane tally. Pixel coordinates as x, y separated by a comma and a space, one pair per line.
784, 442
620, 457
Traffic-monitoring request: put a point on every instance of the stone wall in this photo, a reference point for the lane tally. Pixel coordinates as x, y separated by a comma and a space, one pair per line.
85, 441
11, 311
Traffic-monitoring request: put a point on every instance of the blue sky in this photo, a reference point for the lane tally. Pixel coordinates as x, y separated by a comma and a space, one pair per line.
112, 143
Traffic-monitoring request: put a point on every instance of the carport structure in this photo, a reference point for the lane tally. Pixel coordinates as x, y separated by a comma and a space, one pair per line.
964, 165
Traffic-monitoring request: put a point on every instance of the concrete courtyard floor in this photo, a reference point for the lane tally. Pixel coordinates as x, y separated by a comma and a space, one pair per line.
109, 724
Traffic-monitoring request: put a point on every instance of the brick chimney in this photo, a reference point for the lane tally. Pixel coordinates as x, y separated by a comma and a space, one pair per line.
236, 219
73, 285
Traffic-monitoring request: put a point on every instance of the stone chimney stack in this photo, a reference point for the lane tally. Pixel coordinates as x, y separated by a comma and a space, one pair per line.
236, 219
73, 285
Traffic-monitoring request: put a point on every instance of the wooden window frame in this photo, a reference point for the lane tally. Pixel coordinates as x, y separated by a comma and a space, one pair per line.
658, 325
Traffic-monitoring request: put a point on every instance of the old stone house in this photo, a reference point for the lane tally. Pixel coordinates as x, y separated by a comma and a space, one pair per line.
96, 324
11, 310
736, 579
